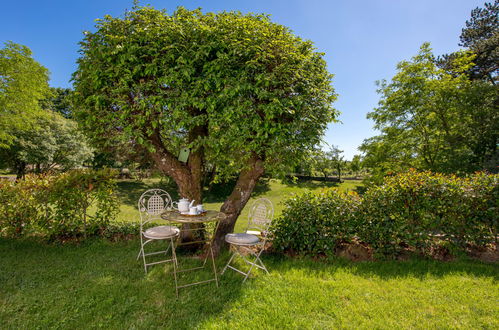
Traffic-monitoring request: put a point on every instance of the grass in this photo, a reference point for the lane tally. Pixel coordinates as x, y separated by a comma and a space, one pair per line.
99, 284
276, 191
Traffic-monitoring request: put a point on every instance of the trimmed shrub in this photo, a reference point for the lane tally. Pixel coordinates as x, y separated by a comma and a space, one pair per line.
315, 224
420, 210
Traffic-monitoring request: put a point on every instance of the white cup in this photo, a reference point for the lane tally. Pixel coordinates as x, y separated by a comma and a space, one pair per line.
193, 210
200, 208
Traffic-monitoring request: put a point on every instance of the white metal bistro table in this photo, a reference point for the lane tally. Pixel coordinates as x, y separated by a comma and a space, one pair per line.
205, 218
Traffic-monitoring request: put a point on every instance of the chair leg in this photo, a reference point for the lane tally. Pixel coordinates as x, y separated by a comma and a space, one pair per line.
228, 263
144, 258
257, 259
141, 251
257, 262
214, 267
174, 257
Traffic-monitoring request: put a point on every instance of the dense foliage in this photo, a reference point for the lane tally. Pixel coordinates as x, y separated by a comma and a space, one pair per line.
416, 210
433, 119
68, 205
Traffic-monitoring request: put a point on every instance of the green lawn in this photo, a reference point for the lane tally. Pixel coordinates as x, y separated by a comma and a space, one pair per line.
129, 192
99, 284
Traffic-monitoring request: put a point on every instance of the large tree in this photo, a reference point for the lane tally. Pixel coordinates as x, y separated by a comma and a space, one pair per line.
244, 94
23, 85
434, 119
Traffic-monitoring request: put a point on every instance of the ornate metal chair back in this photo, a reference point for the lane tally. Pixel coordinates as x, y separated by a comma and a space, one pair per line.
260, 215
152, 203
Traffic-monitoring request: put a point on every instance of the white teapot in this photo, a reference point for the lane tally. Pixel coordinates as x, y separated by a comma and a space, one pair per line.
184, 205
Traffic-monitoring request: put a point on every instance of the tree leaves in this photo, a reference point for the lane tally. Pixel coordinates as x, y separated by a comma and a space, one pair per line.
251, 84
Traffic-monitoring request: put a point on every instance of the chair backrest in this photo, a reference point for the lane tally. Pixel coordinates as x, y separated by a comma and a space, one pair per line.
152, 203
260, 215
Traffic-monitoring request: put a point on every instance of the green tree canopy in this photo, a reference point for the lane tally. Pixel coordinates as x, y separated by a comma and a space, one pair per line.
23, 85
432, 119
244, 94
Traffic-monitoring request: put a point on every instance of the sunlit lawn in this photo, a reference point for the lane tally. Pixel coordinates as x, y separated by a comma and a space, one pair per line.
100, 285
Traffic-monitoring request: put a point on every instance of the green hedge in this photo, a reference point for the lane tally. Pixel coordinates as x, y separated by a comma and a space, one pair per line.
72, 204
315, 224
411, 209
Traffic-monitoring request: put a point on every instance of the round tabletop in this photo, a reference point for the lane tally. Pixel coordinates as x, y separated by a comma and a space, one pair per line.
208, 216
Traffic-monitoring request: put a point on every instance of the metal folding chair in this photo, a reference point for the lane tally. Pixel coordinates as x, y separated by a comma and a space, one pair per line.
251, 243
151, 205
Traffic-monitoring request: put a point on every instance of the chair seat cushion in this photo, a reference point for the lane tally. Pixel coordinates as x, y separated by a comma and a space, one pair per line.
161, 232
241, 239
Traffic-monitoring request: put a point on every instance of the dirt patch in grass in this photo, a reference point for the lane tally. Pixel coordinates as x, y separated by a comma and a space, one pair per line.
489, 253
355, 251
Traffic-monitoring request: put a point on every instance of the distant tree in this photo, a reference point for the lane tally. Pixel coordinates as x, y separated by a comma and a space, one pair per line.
356, 164
23, 85
322, 162
432, 119
337, 160
54, 141
60, 102
242, 93
481, 35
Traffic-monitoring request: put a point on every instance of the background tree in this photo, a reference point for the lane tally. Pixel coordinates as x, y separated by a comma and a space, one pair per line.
432, 119
481, 35
242, 93
23, 85
322, 162
60, 102
54, 141
356, 165
337, 160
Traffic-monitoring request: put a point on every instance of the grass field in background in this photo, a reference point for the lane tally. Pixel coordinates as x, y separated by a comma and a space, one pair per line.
276, 191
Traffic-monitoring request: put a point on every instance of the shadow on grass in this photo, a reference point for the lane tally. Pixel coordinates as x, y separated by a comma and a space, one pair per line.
101, 284
219, 192
305, 184
129, 191
417, 267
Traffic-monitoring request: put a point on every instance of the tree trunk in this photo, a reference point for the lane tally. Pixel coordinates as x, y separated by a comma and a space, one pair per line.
235, 203
21, 170
188, 177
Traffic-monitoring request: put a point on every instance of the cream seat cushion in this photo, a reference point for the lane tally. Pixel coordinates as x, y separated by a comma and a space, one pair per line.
161, 232
241, 239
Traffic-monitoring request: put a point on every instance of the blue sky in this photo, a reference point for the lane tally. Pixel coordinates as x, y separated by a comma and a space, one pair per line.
362, 40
